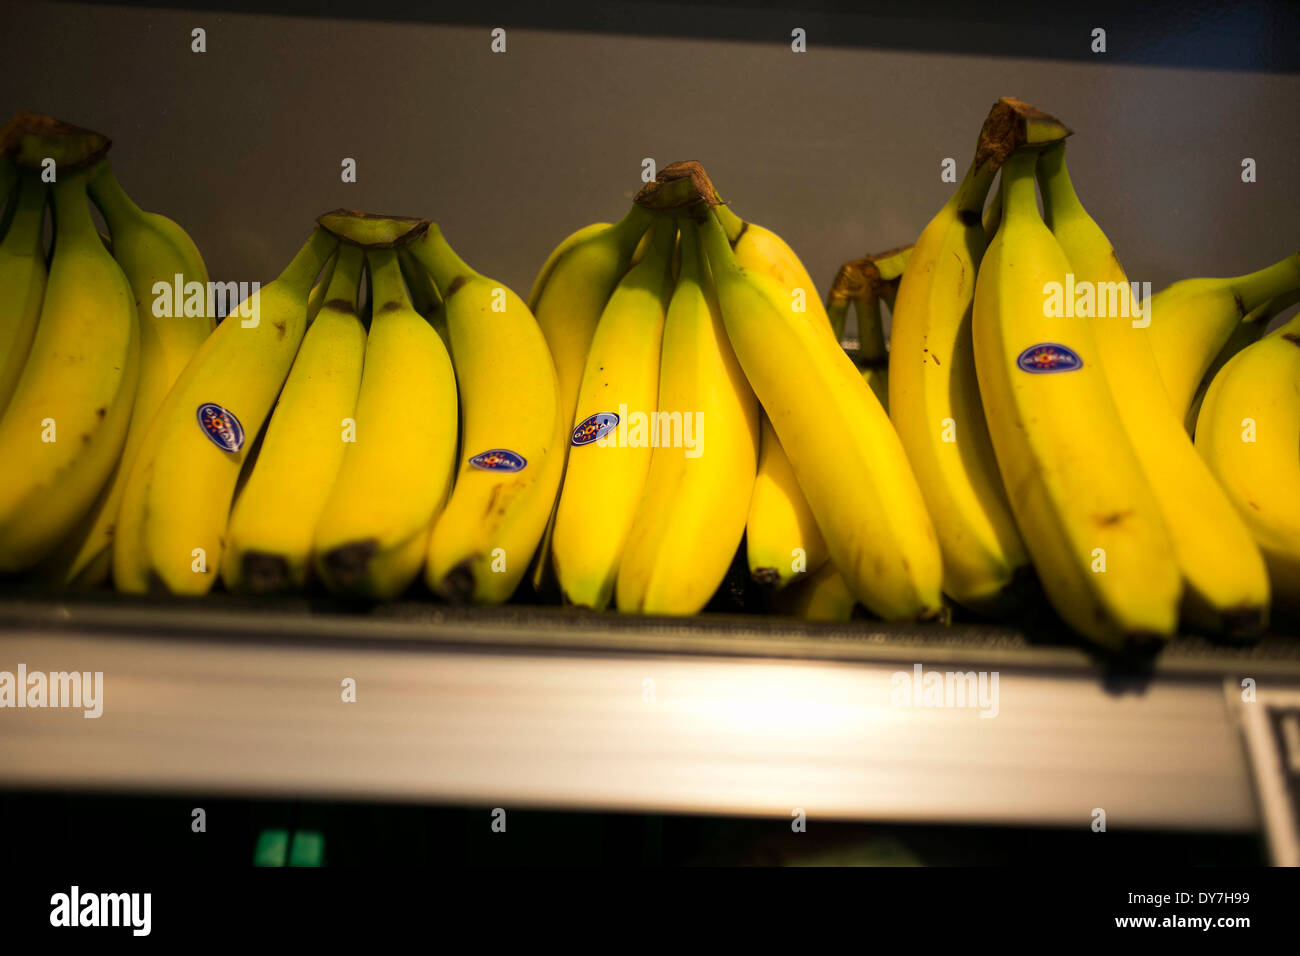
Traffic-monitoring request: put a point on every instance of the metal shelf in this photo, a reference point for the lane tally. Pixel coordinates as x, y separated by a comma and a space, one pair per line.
550, 708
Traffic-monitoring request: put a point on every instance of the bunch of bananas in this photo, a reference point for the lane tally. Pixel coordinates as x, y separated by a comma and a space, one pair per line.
86, 353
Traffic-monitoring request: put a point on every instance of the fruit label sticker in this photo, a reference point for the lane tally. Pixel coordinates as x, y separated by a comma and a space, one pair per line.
1049, 357
594, 427
498, 459
221, 426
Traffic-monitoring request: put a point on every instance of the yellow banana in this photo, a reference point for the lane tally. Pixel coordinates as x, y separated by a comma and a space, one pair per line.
1191, 321
172, 521
1248, 433
273, 522
373, 531
696, 500
317, 296
22, 281
1090, 519
821, 596
846, 456
782, 540
610, 452
511, 453
561, 250
1249, 331
153, 251
1226, 581
67, 419
934, 397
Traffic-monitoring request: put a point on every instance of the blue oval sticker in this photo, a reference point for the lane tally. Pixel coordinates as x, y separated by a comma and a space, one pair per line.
221, 426
1049, 357
594, 427
498, 459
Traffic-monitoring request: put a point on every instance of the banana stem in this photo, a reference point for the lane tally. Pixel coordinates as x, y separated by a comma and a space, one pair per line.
871, 330
111, 198
732, 224
1256, 288
72, 217
345, 281
301, 272
28, 216
1060, 201
1018, 195
440, 260
714, 240
690, 251
971, 194
389, 290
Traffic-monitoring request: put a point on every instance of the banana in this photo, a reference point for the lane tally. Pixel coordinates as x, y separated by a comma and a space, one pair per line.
1193, 319
67, 418
511, 445
424, 296
846, 456
992, 215
934, 400
610, 455
567, 298
172, 521
1224, 574
151, 249
273, 522
872, 355
22, 281
1090, 519
316, 298
9, 179
1249, 331
1248, 433
696, 501
373, 531
821, 596
548, 267
782, 540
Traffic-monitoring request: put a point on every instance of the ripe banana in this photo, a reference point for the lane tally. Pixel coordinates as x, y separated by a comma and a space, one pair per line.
821, 596
152, 250
394, 478
172, 522
67, 418
511, 453
1191, 321
846, 456
782, 540
1090, 519
1249, 331
696, 501
1226, 581
22, 281
1248, 433
273, 522
934, 402
567, 298
609, 457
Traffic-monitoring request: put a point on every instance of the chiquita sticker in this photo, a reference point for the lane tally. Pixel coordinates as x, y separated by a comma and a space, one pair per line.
498, 459
1049, 357
221, 426
594, 427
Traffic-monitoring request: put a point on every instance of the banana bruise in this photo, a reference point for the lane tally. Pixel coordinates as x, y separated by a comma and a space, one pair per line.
394, 478
608, 461
1191, 320
1226, 581
67, 418
1247, 432
934, 403
1089, 517
846, 456
693, 511
171, 524
22, 281
151, 249
511, 450
273, 521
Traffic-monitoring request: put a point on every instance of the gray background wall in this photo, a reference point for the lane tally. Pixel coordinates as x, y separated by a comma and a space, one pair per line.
837, 149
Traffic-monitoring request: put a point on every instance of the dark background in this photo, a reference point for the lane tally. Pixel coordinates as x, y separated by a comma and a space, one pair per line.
837, 149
